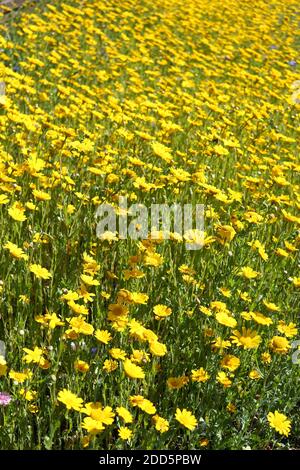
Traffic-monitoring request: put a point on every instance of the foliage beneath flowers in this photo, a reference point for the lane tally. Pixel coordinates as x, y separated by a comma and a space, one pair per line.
144, 344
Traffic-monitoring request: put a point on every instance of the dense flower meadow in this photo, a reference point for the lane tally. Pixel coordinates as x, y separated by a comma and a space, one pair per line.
112, 343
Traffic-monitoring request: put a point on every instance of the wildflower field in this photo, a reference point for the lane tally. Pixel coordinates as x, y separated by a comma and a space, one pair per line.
110, 343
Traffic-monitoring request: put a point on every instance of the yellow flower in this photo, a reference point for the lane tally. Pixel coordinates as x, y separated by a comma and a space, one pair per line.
89, 280
133, 273
20, 377
104, 415
205, 310
124, 414
39, 271
50, 319
132, 370
33, 207
109, 236
279, 344
124, 296
103, 336
78, 325
33, 408
162, 151
246, 315
143, 403
77, 308
290, 217
29, 395
186, 418
3, 366
225, 318
69, 399
92, 426
70, 295
281, 252
254, 374
124, 433
203, 442
223, 379
226, 292
186, 270
85, 441
194, 236
245, 296
3, 199
231, 408
35, 356
289, 330
162, 311
226, 233
247, 339
290, 247
248, 273
220, 343
81, 366
177, 382
110, 365
70, 209
271, 306
219, 306
200, 375
230, 362
153, 259
139, 356
41, 195
105, 295
17, 212
116, 311
253, 217
161, 424
157, 348
15, 251
266, 358
138, 298
261, 319
257, 245
280, 423
85, 294
117, 353
24, 299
